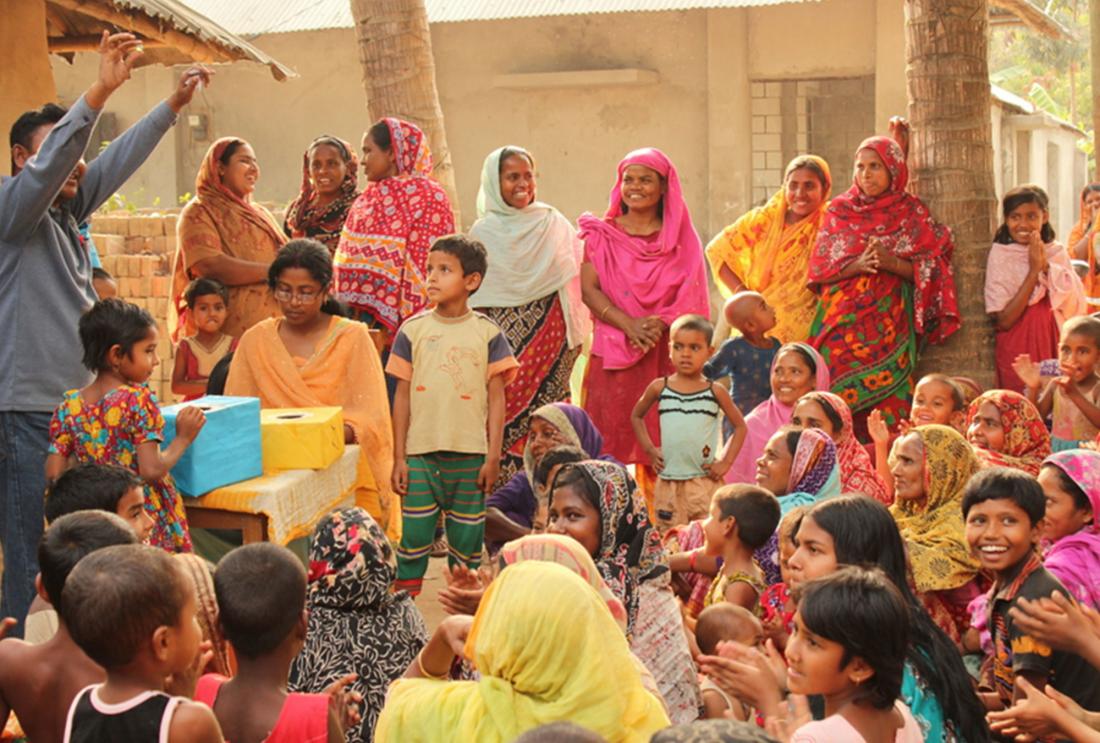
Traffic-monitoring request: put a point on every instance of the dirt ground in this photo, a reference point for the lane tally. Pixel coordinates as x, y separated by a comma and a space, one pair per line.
427, 600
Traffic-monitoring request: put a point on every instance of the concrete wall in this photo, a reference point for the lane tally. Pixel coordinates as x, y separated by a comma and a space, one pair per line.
696, 107
1045, 155
146, 87
1052, 164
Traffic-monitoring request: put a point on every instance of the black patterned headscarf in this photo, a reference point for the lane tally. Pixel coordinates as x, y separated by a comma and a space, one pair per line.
305, 218
356, 623
630, 551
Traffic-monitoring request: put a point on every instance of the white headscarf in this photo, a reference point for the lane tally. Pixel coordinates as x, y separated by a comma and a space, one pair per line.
533, 252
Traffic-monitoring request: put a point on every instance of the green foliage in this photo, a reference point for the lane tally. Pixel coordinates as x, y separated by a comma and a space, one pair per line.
119, 202
1051, 73
1043, 101
133, 203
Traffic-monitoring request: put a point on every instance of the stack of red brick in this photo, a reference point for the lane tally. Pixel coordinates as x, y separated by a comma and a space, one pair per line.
137, 250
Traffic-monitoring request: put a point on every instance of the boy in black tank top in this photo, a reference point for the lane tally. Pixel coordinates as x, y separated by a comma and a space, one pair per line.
39, 682
132, 610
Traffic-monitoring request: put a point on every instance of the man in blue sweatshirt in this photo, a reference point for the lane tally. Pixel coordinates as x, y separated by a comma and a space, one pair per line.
46, 284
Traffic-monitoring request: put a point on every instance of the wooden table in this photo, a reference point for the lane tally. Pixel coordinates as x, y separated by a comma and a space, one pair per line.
277, 506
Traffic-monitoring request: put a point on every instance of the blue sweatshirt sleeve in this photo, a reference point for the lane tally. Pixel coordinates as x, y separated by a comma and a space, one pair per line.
26, 198
108, 172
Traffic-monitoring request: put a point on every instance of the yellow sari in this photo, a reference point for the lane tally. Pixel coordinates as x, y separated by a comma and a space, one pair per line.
547, 649
771, 257
344, 371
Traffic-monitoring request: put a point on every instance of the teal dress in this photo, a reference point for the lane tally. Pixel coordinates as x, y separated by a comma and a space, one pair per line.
925, 707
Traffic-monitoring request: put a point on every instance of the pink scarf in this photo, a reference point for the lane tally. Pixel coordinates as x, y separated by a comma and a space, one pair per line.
1075, 559
664, 277
767, 417
1006, 271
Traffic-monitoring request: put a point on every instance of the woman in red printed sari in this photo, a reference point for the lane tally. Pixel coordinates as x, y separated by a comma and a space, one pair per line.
382, 255
643, 267
882, 270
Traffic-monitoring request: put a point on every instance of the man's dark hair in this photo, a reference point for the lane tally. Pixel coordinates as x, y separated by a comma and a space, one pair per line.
69, 539
22, 131
89, 487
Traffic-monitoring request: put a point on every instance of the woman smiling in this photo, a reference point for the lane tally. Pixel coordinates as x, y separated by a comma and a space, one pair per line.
531, 289
223, 235
643, 268
768, 249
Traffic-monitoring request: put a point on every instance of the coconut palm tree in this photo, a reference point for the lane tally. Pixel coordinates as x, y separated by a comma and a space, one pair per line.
1094, 51
951, 160
395, 50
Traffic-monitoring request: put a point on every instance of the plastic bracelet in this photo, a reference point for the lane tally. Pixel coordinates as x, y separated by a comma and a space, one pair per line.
691, 560
425, 673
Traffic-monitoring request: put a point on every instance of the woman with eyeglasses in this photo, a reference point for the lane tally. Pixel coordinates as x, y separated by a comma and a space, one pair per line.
311, 357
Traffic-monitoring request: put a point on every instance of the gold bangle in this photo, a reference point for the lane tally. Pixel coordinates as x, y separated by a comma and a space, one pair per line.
425, 673
603, 313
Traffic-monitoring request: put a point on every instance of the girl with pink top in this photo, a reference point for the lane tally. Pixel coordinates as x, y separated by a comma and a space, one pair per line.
1030, 286
1071, 484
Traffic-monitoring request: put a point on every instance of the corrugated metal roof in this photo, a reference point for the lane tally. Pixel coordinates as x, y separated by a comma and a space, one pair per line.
254, 17
79, 18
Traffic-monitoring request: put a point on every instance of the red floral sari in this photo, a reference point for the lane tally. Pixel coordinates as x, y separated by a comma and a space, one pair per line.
867, 327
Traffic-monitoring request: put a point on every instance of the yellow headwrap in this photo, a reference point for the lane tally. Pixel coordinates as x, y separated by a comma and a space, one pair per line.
547, 649
772, 258
934, 530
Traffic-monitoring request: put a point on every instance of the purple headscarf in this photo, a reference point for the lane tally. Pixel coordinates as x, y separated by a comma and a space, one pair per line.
517, 498
1075, 558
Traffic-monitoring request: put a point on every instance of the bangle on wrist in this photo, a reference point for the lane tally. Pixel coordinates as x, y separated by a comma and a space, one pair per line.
605, 310
691, 560
427, 674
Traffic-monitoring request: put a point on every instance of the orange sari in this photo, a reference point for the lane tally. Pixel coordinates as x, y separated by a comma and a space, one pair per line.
217, 222
344, 371
771, 257
1083, 227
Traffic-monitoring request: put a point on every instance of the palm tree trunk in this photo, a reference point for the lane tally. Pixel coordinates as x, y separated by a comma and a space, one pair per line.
395, 50
951, 160
1094, 59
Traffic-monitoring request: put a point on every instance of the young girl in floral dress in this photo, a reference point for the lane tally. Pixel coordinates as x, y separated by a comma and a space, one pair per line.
116, 418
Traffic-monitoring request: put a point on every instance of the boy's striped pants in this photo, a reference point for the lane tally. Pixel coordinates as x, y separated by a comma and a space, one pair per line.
444, 481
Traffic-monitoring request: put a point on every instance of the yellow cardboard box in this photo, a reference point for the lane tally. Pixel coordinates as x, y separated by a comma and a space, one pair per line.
301, 438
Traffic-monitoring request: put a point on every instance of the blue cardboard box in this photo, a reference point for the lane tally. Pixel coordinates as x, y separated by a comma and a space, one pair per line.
228, 449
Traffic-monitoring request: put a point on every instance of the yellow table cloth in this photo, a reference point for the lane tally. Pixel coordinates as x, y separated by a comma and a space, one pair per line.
292, 500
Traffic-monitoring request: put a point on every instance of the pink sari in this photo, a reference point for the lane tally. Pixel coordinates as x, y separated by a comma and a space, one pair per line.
767, 417
661, 274
664, 277
1075, 558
